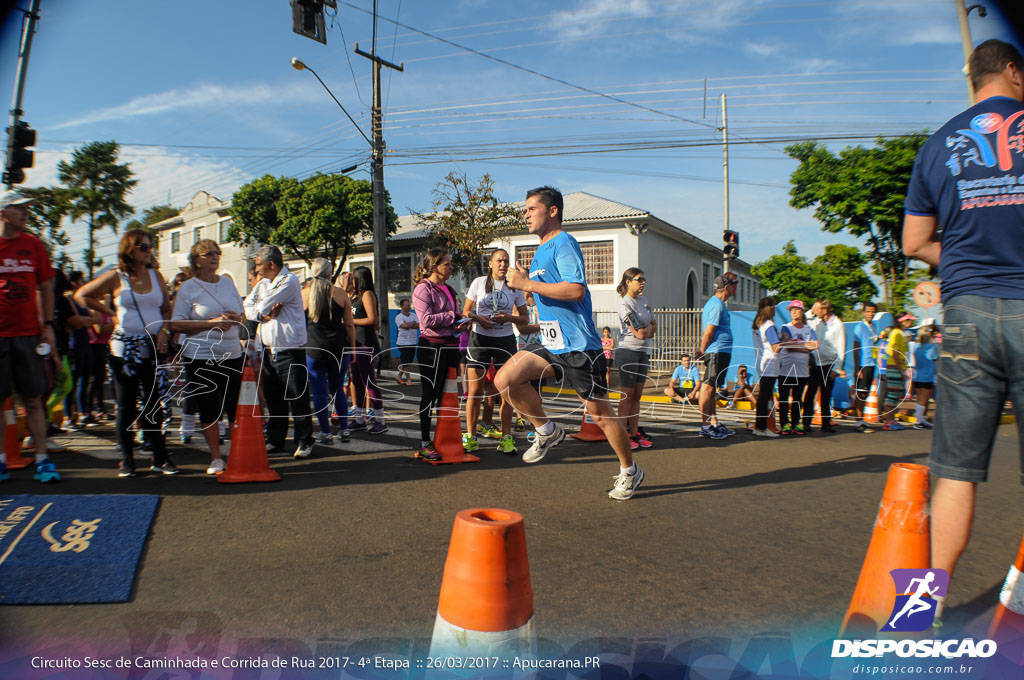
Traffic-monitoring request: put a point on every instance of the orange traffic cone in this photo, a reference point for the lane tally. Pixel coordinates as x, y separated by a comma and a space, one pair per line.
12, 440
871, 405
1008, 624
448, 430
589, 431
901, 540
247, 461
486, 603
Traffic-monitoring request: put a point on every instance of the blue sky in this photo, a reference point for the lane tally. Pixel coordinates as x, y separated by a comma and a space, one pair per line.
202, 96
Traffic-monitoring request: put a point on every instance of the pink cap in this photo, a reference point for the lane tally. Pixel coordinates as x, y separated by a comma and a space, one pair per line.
798, 304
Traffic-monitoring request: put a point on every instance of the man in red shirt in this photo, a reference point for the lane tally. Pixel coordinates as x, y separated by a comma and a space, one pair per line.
26, 325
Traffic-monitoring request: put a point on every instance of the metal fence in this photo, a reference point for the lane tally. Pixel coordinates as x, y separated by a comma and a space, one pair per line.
679, 331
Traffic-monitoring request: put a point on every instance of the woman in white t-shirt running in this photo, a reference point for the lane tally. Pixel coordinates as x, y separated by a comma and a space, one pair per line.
493, 307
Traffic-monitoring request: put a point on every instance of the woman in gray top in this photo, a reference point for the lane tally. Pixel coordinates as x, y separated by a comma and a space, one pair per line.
633, 354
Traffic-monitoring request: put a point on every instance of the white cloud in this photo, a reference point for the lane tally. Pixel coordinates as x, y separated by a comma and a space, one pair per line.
762, 49
203, 96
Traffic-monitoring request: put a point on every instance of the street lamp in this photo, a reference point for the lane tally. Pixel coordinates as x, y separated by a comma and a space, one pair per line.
965, 41
380, 235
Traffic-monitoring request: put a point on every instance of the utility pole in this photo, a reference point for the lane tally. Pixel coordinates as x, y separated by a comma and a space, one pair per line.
380, 235
725, 165
19, 84
965, 42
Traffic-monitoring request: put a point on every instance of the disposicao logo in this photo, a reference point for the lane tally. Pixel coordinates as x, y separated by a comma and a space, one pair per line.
986, 122
916, 590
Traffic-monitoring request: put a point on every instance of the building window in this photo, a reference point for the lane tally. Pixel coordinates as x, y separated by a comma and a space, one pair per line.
718, 272
399, 275
599, 262
175, 241
224, 227
197, 235
524, 255
707, 279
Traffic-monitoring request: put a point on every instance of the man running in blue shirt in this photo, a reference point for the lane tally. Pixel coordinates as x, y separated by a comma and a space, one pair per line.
571, 347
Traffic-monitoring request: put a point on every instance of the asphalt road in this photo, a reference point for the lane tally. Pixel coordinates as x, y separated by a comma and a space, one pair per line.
730, 538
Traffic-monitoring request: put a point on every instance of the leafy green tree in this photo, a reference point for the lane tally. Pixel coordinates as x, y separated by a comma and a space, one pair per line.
837, 274
321, 216
860, 191
466, 218
45, 220
152, 215
98, 185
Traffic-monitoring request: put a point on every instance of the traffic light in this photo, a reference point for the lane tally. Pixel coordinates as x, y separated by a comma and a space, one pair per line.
20, 156
308, 18
731, 249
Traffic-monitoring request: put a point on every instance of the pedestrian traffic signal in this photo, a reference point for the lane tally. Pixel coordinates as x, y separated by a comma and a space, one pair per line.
19, 156
308, 18
731, 250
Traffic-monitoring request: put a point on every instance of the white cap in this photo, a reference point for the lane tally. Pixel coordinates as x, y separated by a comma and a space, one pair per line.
13, 197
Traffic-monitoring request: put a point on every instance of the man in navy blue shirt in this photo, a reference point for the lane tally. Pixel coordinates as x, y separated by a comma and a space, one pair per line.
571, 348
965, 215
716, 350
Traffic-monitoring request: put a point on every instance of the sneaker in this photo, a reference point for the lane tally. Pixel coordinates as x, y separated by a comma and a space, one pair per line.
787, 430
643, 433
125, 470
325, 438
3, 472
73, 426
626, 484
893, 426
428, 452
469, 444
216, 466
51, 445
520, 424
765, 433
799, 429
356, 425
52, 429
711, 432
378, 427
543, 444
46, 472
167, 468
922, 425
304, 451
863, 427
507, 444
488, 431
633, 444
90, 421
642, 440
346, 436
724, 430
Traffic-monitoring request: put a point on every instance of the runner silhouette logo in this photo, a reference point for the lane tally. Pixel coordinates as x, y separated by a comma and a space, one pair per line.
916, 590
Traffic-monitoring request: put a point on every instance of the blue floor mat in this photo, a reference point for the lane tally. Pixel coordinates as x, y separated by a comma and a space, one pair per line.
71, 549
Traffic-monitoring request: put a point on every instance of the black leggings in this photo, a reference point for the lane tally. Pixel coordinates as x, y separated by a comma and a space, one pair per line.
821, 382
791, 393
765, 397
433, 362
129, 389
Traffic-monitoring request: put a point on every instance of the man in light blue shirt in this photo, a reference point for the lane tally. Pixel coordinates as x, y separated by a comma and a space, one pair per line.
716, 350
684, 386
864, 339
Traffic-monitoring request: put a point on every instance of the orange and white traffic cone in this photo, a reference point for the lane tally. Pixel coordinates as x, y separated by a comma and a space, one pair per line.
901, 540
448, 430
589, 431
817, 413
12, 440
486, 603
871, 405
1008, 623
248, 459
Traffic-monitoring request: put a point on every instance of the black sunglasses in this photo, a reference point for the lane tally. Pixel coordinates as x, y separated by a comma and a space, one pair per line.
144, 247
641, 279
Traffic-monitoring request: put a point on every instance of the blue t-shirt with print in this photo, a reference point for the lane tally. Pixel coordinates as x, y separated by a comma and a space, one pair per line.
865, 335
969, 176
683, 374
924, 362
717, 314
559, 260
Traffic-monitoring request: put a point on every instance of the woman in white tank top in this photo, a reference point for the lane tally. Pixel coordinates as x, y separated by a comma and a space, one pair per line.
143, 305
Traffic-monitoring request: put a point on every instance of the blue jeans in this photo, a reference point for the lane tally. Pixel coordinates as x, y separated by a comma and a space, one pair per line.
981, 365
325, 378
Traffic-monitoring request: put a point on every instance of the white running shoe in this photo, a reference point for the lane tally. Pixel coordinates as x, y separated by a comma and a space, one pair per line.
542, 444
765, 433
626, 484
215, 467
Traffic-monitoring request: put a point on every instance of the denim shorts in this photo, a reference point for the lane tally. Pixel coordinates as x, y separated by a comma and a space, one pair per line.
980, 366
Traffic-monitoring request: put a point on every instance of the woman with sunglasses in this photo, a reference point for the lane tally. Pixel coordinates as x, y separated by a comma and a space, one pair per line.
208, 313
140, 336
633, 354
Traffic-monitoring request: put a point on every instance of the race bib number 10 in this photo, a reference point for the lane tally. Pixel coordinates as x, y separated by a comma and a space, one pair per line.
551, 335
